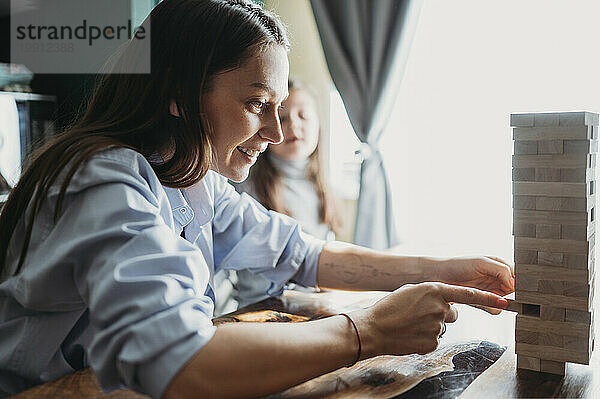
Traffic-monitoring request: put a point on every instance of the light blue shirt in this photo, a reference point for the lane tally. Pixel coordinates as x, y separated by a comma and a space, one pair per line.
112, 284
302, 201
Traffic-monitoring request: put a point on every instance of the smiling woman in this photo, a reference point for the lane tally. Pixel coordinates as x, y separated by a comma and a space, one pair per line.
110, 241
243, 102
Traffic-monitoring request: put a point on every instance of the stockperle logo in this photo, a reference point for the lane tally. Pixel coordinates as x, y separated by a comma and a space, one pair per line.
78, 36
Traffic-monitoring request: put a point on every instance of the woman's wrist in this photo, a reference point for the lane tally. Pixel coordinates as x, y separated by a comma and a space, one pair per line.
433, 268
365, 322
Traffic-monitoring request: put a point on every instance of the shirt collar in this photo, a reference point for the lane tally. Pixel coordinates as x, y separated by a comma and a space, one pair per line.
201, 200
191, 202
183, 214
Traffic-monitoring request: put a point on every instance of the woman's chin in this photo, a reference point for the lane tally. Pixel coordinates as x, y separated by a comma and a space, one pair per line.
238, 175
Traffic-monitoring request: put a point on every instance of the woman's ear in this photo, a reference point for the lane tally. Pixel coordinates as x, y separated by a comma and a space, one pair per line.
173, 110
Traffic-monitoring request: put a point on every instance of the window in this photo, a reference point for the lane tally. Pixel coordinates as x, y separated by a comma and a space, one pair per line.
448, 143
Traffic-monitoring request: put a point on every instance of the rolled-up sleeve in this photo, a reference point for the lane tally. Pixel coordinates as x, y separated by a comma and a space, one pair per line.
273, 245
143, 284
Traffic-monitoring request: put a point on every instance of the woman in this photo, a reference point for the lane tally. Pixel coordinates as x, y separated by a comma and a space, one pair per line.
109, 242
289, 179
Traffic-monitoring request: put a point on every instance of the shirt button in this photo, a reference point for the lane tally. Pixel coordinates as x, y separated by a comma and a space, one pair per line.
183, 210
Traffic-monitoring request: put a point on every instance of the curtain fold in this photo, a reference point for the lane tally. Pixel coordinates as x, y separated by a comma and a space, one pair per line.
366, 45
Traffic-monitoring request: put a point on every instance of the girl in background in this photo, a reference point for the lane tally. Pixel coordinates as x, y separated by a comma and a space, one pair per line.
289, 178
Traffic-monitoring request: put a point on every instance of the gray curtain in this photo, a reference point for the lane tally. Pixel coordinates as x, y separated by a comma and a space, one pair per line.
366, 45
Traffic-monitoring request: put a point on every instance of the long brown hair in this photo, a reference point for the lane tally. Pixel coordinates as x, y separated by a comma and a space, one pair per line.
266, 179
191, 41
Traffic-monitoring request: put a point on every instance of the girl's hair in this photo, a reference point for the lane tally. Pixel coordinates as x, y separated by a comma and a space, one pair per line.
191, 41
4, 186
266, 179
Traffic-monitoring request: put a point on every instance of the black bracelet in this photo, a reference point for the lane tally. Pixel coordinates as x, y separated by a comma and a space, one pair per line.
357, 337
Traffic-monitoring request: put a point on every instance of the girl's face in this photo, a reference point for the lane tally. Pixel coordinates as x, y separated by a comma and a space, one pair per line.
241, 111
300, 124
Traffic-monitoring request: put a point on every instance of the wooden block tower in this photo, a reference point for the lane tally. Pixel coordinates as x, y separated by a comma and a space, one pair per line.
554, 197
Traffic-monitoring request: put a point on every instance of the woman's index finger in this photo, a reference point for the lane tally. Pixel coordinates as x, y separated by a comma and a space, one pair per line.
472, 296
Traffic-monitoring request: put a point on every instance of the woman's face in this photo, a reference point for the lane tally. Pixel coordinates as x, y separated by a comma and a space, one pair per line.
241, 111
300, 124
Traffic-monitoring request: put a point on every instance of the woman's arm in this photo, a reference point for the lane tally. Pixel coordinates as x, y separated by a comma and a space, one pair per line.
245, 360
350, 267
256, 359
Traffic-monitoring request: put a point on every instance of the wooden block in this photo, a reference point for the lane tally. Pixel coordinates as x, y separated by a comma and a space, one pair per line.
576, 261
547, 231
551, 245
526, 147
574, 232
531, 133
549, 147
524, 230
528, 362
527, 337
523, 174
578, 316
550, 339
561, 204
523, 201
529, 257
550, 189
526, 284
549, 366
550, 258
549, 217
552, 353
576, 289
578, 118
551, 313
551, 287
543, 272
580, 146
566, 288
527, 323
578, 175
546, 119
577, 344
548, 174
514, 306
521, 119
553, 161
552, 300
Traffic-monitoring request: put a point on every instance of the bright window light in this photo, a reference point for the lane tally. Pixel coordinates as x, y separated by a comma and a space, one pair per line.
448, 143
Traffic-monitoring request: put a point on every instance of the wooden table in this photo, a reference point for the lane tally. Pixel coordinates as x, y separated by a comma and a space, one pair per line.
382, 374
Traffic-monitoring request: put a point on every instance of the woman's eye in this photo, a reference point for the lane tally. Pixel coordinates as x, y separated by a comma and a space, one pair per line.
257, 106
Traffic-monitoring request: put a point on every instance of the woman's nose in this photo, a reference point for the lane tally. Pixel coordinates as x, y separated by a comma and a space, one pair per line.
272, 131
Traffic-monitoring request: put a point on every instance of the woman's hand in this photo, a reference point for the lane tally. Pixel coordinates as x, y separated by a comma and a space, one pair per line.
484, 273
411, 318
